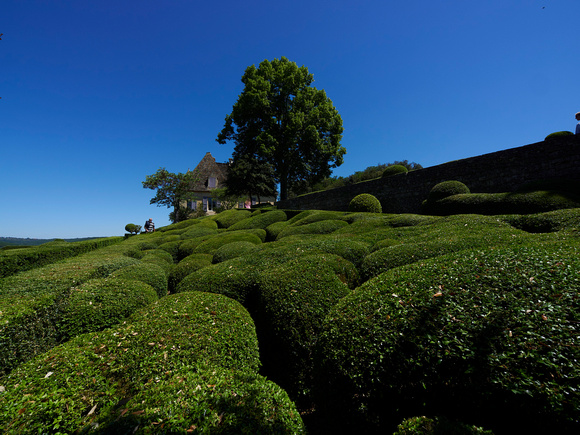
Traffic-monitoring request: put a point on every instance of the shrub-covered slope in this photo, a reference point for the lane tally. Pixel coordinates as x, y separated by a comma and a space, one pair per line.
297, 275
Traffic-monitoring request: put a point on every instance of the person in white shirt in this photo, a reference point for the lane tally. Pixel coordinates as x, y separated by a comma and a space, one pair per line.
578, 125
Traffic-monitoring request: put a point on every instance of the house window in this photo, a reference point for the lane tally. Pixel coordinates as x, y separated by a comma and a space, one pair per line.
192, 205
212, 182
209, 204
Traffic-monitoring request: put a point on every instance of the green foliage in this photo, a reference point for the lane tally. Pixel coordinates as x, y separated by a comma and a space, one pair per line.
557, 220
446, 189
479, 333
261, 220
88, 380
132, 228
394, 170
281, 120
503, 203
232, 250
172, 190
320, 227
102, 303
274, 229
370, 173
210, 246
151, 274
559, 135
437, 426
211, 400
186, 266
249, 177
294, 298
227, 218
14, 261
365, 202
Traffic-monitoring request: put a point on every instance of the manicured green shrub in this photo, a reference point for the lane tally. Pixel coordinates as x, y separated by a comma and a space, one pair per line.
502, 203
88, 379
186, 266
485, 336
211, 400
14, 261
232, 250
446, 189
198, 231
151, 274
548, 222
227, 218
559, 135
102, 303
172, 248
352, 250
320, 227
274, 229
234, 278
210, 246
259, 220
437, 426
394, 170
132, 228
365, 202
317, 216
293, 300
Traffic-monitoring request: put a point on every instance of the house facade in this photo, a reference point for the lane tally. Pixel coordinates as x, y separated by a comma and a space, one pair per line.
212, 175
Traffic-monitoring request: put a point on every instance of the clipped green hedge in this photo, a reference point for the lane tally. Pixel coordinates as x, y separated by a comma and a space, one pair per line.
186, 266
259, 220
207, 400
31, 301
19, 260
394, 170
559, 135
227, 218
232, 250
102, 303
93, 378
151, 274
293, 300
437, 426
210, 246
487, 336
552, 221
446, 189
320, 227
365, 202
503, 203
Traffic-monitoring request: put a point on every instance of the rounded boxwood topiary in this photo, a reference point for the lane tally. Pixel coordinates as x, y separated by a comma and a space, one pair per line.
365, 202
559, 135
445, 189
151, 274
487, 336
211, 400
394, 170
82, 383
101, 303
232, 250
259, 219
229, 217
187, 266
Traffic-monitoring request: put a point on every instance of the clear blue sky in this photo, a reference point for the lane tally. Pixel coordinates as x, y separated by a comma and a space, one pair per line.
95, 95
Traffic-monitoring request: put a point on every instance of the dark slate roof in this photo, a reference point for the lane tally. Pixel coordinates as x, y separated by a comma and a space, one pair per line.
208, 168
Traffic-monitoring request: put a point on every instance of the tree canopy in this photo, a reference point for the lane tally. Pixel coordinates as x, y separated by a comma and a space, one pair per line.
280, 119
173, 190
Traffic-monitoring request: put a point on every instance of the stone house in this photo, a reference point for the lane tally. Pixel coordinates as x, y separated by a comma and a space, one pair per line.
211, 175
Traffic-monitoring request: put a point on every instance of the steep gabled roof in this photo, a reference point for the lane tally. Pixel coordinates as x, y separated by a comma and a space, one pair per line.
208, 168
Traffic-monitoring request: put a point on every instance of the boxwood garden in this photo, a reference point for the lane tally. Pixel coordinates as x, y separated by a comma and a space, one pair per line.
286, 322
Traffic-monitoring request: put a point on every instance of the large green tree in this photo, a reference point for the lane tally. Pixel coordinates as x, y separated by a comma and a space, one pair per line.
279, 118
173, 190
